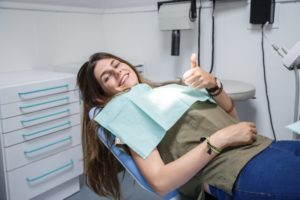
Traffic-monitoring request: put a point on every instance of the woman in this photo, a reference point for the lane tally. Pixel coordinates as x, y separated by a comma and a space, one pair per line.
233, 162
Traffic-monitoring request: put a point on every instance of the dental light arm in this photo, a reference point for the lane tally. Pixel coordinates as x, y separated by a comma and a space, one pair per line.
296, 112
291, 60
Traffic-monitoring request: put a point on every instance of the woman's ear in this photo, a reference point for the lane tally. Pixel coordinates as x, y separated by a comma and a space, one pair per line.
101, 102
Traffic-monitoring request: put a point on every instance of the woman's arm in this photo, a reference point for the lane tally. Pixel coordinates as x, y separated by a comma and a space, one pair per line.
225, 102
198, 78
166, 177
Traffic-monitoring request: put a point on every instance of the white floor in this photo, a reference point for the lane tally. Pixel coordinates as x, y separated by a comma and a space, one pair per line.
130, 191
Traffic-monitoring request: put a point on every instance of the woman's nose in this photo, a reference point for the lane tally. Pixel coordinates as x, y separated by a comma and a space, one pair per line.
117, 72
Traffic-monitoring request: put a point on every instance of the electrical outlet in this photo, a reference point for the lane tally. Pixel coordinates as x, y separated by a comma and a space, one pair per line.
275, 25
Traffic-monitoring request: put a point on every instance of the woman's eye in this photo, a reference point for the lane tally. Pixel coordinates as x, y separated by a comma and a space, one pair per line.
106, 78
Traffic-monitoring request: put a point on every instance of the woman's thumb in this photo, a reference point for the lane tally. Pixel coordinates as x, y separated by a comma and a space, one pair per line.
193, 60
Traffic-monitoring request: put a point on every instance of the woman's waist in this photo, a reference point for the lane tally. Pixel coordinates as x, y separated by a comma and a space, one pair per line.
223, 170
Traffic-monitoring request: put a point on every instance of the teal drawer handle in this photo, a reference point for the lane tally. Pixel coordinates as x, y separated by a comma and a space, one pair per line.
45, 116
43, 90
48, 145
69, 164
47, 129
43, 103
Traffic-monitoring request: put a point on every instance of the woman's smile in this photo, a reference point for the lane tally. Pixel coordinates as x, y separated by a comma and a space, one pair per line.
123, 79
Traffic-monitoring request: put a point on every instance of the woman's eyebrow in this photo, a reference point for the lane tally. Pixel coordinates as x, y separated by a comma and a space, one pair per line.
112, 62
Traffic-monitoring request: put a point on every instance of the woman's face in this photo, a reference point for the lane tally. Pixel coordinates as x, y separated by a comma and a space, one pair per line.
114, 76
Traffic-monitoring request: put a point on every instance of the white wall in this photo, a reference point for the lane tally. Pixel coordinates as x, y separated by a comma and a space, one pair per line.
238, 56
41, 39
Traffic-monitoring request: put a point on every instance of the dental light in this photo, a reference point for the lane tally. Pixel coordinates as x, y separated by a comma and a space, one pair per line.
175, 16
291, 60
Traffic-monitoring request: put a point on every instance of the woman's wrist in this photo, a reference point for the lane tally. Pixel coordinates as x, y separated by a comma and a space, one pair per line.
214, 86
217, 141
216, 89
211, 148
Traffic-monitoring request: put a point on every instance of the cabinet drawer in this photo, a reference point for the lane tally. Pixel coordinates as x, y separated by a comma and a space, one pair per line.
32, 105
38, 177
31, 119
34, 90
24, 153
39, 130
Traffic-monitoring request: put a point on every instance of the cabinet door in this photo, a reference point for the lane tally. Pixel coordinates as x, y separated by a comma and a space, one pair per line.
37, 104
38, 177
32, 119
33, 150
32, 132
34, 90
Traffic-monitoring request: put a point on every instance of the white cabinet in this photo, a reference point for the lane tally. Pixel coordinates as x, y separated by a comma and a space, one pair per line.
41, 153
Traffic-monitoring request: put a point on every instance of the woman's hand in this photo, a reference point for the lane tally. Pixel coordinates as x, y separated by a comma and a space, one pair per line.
242, 133
161, 176
196, 77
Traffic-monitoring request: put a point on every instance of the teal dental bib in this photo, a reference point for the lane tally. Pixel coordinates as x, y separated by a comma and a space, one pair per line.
141, 117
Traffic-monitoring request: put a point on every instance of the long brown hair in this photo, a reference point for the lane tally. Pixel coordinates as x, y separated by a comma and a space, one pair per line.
101, 167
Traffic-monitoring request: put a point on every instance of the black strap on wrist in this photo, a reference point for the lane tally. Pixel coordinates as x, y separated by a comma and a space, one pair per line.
214, 89
217, 92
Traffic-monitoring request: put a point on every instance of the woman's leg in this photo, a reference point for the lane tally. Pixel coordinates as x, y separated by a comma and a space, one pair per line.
292, 146
219, 194
274, 174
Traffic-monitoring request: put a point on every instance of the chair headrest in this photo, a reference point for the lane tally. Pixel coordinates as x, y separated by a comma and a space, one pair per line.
94, 112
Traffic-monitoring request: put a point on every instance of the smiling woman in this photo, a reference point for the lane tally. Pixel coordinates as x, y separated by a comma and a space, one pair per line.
114, 75
102, 76
108, 75
195, 135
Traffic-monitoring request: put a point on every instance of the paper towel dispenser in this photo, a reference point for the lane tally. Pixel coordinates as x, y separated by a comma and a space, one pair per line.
175, 15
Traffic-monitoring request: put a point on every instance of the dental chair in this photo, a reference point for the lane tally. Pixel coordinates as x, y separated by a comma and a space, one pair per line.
127, 161
129, 165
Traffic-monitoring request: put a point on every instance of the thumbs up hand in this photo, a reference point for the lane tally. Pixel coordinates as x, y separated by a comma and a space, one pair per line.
193, 60
197, 78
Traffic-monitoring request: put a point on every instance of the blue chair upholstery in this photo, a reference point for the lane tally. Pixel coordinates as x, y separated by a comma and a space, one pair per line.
127, 162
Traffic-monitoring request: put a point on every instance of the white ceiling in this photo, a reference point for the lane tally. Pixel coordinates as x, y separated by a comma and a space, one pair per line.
97, 4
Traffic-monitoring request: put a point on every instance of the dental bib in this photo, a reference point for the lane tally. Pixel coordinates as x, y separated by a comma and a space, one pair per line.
141, 117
